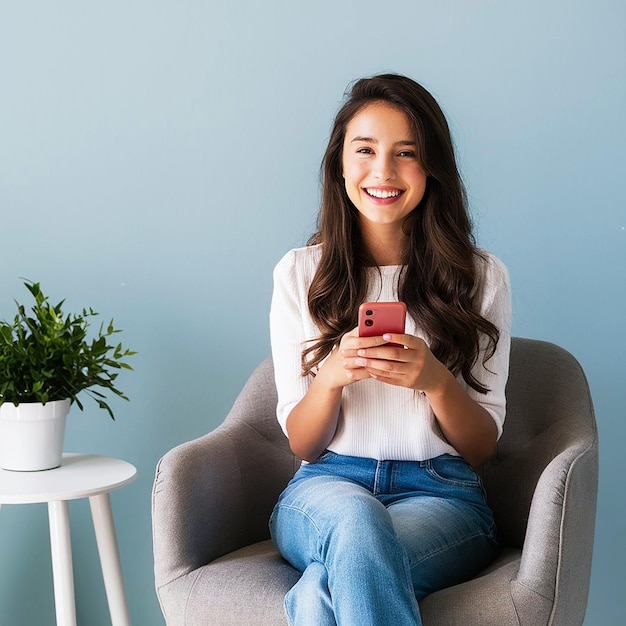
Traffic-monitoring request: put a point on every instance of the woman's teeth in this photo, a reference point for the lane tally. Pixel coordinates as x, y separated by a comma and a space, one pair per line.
383, 194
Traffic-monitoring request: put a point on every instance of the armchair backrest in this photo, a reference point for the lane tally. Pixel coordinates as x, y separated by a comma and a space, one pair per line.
256, 405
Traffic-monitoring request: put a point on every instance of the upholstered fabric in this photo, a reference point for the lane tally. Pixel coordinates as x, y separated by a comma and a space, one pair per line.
213, 496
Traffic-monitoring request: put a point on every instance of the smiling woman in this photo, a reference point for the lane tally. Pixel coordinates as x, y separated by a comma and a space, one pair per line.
367, 521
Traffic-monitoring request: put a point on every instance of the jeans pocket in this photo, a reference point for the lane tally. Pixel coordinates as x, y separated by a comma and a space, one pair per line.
453, 471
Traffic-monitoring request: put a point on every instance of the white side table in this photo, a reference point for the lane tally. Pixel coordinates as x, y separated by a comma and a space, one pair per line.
80, 476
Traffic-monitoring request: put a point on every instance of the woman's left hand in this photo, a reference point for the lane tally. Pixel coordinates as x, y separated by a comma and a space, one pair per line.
409, 363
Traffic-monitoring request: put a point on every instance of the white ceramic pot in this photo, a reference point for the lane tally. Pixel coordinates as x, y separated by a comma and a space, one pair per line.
31, 435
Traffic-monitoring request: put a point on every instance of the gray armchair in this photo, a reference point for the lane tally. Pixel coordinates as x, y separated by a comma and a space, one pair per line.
212, 497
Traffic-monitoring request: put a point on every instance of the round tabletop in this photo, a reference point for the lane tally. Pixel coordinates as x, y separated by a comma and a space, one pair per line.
79, 476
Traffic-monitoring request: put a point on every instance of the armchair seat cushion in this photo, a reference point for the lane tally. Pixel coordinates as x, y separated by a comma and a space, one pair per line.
259, 578
256, 575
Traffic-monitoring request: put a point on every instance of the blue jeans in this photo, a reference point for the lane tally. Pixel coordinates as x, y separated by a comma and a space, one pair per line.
373, 537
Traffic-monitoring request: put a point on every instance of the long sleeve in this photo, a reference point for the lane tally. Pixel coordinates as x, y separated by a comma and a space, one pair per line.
289, 330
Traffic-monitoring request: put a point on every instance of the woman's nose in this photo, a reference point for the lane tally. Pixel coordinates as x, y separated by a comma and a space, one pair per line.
384, 168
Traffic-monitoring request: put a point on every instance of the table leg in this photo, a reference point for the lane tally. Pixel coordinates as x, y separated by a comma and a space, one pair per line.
61, 548
109, 558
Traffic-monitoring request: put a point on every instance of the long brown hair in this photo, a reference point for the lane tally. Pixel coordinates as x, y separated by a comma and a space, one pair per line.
441, 270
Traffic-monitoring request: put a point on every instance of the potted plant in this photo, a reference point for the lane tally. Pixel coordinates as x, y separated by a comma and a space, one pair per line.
46, 360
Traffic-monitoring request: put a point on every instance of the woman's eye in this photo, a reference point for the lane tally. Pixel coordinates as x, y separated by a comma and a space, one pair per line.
407, 153
364, 151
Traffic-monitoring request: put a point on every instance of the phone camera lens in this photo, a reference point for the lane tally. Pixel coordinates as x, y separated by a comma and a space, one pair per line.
369, 322
369, 312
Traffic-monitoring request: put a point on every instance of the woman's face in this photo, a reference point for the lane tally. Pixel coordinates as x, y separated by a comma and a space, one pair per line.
383, 178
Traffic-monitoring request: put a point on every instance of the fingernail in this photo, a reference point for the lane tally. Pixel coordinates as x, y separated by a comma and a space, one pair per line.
360, 362
387, 337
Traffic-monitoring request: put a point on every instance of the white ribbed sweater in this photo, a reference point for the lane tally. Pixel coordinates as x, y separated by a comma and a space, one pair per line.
377, 420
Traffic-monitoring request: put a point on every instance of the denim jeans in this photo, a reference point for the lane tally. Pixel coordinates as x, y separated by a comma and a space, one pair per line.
373, 537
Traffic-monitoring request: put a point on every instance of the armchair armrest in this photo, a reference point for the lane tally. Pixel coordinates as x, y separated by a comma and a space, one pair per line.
556, 559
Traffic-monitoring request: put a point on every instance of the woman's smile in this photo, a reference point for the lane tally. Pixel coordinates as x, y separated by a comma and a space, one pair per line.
384, 195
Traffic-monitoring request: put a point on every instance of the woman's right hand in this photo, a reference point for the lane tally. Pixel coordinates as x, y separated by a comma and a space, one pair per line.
339, 369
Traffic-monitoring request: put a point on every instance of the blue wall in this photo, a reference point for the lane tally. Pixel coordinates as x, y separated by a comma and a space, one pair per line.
157, 158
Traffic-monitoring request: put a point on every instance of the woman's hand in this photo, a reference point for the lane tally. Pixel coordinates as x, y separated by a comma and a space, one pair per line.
339, 369
403, 360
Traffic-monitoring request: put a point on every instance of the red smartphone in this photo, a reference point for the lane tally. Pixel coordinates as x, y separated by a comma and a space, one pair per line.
378, 318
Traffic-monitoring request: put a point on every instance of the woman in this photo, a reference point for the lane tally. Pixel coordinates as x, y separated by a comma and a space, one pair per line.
386, 507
